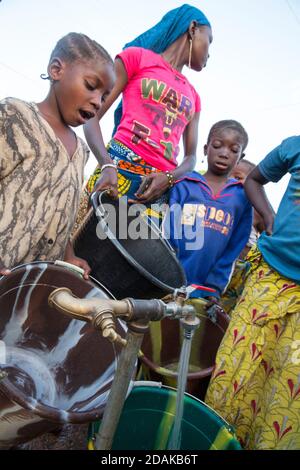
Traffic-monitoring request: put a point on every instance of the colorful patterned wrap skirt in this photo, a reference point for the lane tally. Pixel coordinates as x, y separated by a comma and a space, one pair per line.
131, 170
235, 286
256, 382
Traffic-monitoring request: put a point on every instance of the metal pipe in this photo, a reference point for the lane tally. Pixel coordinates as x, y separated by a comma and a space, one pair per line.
101, 312
118, 391
84, 309
137, 313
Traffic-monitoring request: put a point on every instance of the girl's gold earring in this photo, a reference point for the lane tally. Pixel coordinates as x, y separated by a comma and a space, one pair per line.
190, 53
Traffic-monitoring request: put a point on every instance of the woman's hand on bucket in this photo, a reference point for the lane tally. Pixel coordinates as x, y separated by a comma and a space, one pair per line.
71, 258
81, 263
108, 181
152, 187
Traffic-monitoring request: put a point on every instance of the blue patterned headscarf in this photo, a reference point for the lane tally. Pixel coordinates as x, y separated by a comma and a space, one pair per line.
158, 38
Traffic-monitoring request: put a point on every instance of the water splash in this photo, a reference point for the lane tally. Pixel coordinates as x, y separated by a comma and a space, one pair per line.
13, 329
90, 393
34, 371
27, 371
175, 440
66, 342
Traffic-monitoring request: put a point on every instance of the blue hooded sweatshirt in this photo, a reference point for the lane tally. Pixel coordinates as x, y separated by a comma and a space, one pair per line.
208, 231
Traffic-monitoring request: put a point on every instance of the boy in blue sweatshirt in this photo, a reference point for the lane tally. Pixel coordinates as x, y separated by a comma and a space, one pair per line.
210, 215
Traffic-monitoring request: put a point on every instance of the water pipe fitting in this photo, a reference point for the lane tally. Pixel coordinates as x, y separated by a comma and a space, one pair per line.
101, 312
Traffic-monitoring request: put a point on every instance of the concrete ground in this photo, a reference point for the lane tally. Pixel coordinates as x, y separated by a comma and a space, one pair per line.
71, 437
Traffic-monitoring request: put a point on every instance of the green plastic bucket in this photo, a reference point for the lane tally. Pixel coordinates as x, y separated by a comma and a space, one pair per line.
148, 415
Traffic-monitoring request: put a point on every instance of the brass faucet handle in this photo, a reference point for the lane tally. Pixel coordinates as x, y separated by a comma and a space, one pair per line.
104, 321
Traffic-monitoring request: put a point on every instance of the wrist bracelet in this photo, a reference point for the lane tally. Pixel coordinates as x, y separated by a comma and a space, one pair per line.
109, 165
171, 179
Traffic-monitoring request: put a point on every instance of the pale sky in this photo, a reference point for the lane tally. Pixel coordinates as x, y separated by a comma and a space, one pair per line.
253, 74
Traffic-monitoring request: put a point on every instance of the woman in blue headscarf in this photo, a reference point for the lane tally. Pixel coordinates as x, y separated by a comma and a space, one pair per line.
159, 106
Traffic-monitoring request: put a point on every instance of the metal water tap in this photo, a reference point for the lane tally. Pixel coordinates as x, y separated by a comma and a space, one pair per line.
99, 312
138, 314
189, 324
105, 323
176, 308
102, 312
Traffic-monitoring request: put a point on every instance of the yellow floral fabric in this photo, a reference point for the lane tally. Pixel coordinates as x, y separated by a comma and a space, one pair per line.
256, 382
235, 286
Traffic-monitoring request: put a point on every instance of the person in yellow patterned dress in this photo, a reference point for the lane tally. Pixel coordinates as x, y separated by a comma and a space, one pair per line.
256, 381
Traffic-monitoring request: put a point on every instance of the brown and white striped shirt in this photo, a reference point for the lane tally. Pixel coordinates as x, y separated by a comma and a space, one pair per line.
39, 186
